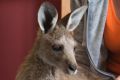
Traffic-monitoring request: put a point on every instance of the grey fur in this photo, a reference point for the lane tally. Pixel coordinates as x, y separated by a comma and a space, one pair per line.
45, 64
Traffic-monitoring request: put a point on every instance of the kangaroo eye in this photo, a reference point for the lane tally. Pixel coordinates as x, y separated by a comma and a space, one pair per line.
74, 48
57, 47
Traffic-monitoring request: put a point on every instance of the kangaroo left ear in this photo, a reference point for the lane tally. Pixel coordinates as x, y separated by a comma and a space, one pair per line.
75, 18
47, 17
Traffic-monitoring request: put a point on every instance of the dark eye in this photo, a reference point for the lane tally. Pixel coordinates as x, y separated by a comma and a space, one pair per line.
57, 47
74, 48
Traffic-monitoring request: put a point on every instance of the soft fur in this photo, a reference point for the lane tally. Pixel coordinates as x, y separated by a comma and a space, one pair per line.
45, 64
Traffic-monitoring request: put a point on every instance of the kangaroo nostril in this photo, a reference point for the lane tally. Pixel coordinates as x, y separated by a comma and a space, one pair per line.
72, 67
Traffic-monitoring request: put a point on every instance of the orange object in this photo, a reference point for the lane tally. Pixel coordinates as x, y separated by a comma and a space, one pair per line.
112, 39
65, 7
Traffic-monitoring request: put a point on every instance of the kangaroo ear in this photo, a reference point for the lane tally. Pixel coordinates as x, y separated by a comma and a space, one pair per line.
75, 18
47, 17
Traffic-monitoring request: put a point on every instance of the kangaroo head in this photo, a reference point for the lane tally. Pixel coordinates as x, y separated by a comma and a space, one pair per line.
57, 41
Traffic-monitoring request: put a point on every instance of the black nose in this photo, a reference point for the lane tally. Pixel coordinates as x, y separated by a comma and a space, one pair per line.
72, 67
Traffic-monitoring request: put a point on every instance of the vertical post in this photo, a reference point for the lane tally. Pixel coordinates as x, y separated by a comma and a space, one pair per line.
65, 7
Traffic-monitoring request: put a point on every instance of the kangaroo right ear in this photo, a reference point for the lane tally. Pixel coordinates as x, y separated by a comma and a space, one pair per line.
47, 17
75, 18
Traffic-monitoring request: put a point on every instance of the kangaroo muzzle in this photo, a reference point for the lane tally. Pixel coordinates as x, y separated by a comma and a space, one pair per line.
72, 69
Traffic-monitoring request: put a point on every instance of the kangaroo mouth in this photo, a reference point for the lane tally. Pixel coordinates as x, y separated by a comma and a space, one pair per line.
71, 72
72, 69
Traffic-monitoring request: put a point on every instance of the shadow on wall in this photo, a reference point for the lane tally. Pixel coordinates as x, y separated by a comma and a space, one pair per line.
18, 26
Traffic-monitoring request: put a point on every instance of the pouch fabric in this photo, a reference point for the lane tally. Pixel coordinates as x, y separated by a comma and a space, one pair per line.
92, 35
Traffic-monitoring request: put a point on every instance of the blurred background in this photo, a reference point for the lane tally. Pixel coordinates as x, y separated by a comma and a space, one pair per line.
18, 27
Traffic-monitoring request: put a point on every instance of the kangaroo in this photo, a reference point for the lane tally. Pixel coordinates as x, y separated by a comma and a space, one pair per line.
53, 56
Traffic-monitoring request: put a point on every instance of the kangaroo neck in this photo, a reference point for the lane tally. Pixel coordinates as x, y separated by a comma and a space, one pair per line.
46, 71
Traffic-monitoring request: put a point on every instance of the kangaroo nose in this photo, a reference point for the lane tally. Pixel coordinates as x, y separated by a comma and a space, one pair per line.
72, 67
